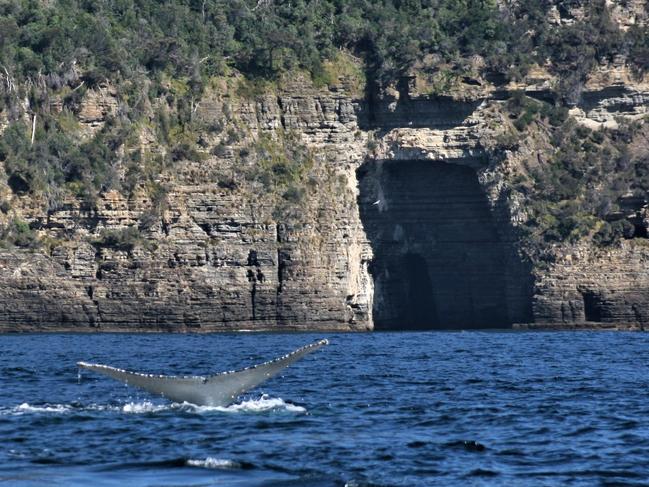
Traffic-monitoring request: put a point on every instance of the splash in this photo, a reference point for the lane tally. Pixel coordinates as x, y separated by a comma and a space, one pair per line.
26, 408
215, 463
143, 407
263, 404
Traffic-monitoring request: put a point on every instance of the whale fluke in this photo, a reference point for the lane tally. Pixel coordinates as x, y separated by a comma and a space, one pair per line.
213, 390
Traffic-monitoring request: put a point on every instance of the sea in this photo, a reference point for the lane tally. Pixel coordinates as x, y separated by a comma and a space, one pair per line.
370, 409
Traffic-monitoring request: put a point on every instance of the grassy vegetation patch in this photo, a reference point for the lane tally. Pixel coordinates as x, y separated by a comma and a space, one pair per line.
592, 185
18, 233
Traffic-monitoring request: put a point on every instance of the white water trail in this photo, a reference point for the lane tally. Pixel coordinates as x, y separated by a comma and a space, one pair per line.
259, 405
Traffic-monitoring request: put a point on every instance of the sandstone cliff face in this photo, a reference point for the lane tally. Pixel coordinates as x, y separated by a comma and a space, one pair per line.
595, 286
217, 259
404, 218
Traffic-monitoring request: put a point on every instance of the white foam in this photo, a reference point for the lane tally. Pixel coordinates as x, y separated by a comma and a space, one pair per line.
262, 404
26, 408
215, 463
54, 408
259, 405
143, 407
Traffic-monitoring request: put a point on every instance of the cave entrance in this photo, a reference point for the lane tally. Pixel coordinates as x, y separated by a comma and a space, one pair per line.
441, 260
412, 279
592, 310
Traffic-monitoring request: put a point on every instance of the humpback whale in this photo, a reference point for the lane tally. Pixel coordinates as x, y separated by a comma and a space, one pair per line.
214, 390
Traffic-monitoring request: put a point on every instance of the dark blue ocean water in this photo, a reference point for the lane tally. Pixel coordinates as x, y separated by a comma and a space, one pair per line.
401, 409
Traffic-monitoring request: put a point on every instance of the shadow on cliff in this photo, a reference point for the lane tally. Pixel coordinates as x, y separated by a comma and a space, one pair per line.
442, 258
384, 110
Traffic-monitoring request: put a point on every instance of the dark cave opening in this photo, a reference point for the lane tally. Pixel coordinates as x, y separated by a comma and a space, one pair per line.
640, 229
440, 259
592, 309
412, 278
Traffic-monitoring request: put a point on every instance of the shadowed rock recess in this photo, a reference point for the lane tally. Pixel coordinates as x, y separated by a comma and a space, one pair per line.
440, 260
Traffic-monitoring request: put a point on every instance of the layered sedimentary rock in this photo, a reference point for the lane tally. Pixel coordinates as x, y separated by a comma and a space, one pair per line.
217, 258
595, 286
407, 221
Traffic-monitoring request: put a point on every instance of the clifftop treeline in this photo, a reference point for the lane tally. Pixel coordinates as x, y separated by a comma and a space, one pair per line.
103, 40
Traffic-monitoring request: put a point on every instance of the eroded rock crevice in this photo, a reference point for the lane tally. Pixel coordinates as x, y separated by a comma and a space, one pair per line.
440, 259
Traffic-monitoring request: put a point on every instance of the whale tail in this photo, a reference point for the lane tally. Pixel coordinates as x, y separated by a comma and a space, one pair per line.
214, 390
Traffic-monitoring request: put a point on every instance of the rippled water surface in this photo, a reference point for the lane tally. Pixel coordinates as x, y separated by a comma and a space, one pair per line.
370, 409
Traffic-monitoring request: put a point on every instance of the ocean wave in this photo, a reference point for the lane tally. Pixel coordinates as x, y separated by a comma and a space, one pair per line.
259, 405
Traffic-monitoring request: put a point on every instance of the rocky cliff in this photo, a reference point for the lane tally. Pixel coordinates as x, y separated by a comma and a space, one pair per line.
329, 207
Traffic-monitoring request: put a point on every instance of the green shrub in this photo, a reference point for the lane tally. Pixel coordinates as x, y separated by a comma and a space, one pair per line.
280, 162
148, 220
125, 239
611, 233
58, 158
576, 192
526, 109
185, 151
18, 233
294, 194
198, 40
